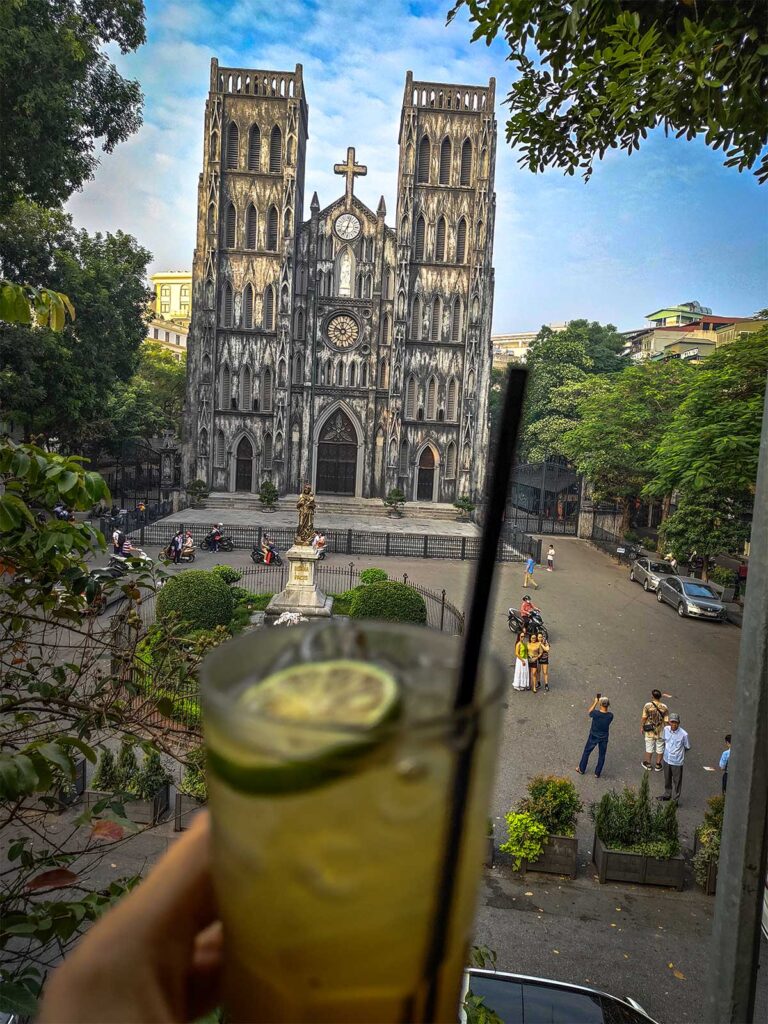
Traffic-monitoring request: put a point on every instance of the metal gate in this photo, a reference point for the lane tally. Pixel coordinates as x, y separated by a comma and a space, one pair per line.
544, 498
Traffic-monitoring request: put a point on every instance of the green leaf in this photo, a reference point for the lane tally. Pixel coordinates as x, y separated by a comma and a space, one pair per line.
67, 481
14, 304
17, 999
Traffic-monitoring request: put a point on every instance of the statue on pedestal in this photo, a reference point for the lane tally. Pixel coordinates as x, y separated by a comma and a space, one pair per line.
306, 506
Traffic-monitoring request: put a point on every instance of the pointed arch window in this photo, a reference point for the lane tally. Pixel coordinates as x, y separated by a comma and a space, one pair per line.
452, 400
246, 388
209, 294
268, 311
206, 368
368, 287
431, 408
359, 286
461, 241
440, 241
298, 369
328, 376
425, 154
225, 390
248, 306
230, 227
226, 305
418, 242
386, 329
275, 150
364, 375
339, 373
266, 390
383, 373
233, 142
353, 374
220, 450
450, 461
416, 319
471, 382
300, 324
435, 326
410, 398
446, 155
402, 466
465, 177
211, 218
282, 374
456, 314
267, 451
272, 223
254, 148
202, 442
251, 226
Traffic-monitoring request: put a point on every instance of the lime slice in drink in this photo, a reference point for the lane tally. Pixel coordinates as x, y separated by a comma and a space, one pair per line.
313, 722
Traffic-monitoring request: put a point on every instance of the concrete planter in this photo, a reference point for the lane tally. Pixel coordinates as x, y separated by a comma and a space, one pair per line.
637, 868
142, 812
559, 857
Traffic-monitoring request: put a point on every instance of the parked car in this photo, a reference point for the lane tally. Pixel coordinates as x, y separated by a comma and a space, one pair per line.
691, 597
518, 999
649, 571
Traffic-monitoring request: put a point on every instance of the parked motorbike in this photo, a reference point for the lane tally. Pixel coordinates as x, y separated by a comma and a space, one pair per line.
131, 560
225, 543
257, 555
532, 623
63, 513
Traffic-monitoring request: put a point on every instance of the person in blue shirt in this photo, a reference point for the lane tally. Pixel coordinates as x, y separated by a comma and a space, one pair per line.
725, 758
598, 734
530, 567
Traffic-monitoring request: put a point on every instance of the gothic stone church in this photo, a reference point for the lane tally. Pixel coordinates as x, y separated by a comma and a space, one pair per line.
341, 350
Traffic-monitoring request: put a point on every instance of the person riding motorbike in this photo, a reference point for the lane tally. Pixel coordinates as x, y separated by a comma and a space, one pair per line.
216, 536
268, 548
527, 606
318, 543
188, 546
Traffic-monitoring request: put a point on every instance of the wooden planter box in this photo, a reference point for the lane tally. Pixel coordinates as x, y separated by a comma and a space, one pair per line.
637, 868
559, 857
142, 812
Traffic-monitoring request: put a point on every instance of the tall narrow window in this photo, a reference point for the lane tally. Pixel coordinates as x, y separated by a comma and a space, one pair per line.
275, 149
418, 242
221, 449
425, 153
226, 305
209, 294
254, 148
251, 226
206, 368
446, 153
353, 374
402, 466
246, 388
383, 373
268, 311
364, 375
202, 442
386, 329
339, 373
471, 382
450, 461
248, 306
451, 400
300, 324
267, 451
328, 377
435, 326
229, 229
225, 392
416, 319
233, 142
456, 313
211, 218
431, 410
266, 390
272, 223
461, 241
281, 374
298, 369
410, 398
440, 241
466, 163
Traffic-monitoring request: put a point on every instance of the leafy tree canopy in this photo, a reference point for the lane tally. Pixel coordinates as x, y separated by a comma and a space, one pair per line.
61, 94
595, 75
151, 401
708, 522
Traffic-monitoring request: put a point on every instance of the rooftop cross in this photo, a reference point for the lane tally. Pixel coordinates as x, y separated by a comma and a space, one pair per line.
350, 170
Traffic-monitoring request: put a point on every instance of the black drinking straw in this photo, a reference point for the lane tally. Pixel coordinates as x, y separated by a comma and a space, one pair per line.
465, 693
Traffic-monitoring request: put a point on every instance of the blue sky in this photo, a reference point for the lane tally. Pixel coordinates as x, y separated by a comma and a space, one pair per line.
666, 225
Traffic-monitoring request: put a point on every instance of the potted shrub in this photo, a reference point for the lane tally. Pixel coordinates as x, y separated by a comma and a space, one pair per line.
268, 496
197, 491
635, 842
525, 838
152, 786
143, 792
465, 506
706, 845
554, 803
395, 501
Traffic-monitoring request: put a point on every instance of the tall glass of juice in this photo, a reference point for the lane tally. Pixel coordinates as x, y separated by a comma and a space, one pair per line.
331, 752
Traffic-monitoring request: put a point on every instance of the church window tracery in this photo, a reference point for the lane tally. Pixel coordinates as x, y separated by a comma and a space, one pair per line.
431, 407
451, 402
246, 393
225, 391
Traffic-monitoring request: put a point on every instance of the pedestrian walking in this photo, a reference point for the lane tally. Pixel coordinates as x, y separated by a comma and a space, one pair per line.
530, 567
676, 743
544, 661
598, 734
652, 722
534, 653
176, 545
551, 558
725, 759
521, 679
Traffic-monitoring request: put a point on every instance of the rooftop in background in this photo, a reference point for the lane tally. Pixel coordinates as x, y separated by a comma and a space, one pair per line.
173, 295
683, 313
506, 347
169, 334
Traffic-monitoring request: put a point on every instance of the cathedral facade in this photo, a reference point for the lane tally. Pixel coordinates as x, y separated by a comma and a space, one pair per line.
341, 351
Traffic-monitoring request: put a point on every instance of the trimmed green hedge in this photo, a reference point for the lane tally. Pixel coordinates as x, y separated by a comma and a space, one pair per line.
390, 601
201, 599
228, 573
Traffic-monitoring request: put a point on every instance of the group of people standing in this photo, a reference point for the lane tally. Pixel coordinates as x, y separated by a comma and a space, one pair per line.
531, 654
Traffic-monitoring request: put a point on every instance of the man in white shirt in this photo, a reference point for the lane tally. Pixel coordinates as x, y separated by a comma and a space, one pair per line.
676, 743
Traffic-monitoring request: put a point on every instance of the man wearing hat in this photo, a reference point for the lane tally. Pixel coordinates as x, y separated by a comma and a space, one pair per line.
598, 734
676, 743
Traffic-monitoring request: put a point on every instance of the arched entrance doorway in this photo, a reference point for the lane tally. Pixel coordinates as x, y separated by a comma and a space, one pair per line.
337, 455
244, 466
426, 481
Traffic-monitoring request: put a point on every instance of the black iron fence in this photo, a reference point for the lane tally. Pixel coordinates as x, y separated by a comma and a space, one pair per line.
514, 546
612, 544
135, 521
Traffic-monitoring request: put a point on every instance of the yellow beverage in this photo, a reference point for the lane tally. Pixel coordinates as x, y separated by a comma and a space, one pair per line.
326, 865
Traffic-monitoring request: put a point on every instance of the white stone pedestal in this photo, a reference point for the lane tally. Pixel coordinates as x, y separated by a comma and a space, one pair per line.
301, 593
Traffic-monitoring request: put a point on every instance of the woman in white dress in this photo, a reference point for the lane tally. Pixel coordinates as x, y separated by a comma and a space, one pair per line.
520, 680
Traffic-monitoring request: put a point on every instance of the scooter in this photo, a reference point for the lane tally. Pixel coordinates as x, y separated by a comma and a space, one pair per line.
225, 543
63, 513
187, 553
532, 623
257, 556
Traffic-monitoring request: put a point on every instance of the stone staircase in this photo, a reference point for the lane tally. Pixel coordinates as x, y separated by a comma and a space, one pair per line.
330, 505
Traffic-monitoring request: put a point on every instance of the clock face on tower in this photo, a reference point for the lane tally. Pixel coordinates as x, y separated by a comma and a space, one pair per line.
347, 226
343, 331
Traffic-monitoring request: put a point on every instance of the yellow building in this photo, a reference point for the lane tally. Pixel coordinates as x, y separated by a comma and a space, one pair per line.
732, 332
173, 294
514, 347
170, 335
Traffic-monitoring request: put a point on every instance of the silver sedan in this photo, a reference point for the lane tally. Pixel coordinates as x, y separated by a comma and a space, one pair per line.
648, 572
691, 597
